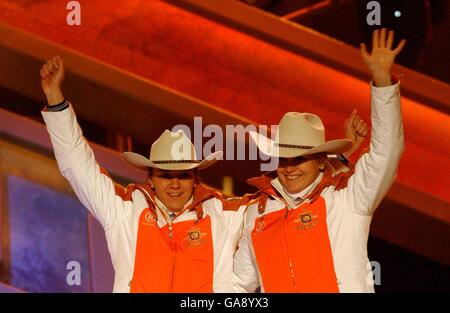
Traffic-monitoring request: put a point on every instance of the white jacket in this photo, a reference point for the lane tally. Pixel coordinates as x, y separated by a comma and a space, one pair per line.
349, 210
120, 218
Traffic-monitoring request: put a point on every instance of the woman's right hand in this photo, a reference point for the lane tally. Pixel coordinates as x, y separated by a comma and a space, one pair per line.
356, 130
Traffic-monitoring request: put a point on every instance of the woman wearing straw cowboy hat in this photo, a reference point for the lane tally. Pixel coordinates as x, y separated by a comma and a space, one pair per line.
307, 230
171, 234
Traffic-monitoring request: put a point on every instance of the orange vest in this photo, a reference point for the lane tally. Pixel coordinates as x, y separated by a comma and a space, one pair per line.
180, 262
292, 247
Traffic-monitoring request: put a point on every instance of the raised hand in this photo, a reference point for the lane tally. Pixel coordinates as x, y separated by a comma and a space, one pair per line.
52, 75
382, 58
356, 130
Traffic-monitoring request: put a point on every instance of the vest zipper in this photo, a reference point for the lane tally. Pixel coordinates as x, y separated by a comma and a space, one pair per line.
169, 223
170, 226
291, 268
173, 265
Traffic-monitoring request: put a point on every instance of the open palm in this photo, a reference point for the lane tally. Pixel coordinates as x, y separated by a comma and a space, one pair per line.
382, 57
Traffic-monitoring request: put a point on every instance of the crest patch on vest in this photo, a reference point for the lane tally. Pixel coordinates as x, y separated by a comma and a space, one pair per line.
306, 220
260, 225
195, 237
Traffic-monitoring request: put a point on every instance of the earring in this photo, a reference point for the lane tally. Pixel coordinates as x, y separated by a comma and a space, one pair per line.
322, 167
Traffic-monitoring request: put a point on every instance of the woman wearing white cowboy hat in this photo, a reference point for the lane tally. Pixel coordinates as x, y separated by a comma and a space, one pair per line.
307, 230
170, 234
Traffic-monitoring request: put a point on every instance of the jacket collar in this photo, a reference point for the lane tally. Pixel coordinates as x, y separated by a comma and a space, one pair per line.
201, 193
266, 189
294, 199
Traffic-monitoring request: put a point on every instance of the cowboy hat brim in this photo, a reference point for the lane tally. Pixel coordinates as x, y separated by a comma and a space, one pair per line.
140, 162
267, 146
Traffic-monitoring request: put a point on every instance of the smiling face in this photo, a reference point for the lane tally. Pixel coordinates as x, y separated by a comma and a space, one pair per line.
295, 174
173, 188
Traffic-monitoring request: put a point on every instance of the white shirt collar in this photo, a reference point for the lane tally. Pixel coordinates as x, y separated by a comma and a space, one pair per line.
169, 213
294, 199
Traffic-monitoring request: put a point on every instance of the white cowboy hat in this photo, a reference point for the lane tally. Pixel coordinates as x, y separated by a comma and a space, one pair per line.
299, 134
171, 151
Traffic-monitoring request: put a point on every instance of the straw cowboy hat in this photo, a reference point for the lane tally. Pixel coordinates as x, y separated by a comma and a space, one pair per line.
171, 151
299, 134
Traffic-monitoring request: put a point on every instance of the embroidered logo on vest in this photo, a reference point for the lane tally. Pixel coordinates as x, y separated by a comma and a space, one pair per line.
306, 220
195, 237
260, 226
149, 218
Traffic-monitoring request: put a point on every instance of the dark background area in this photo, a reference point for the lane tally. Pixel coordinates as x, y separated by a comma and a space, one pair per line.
424, 23
405, 271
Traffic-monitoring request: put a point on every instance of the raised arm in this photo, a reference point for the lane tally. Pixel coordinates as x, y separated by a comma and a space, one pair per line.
74, 156
375, 171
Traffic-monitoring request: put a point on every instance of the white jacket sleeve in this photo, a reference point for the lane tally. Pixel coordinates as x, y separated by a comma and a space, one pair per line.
77, 164
245, 270
234, 219
376, 170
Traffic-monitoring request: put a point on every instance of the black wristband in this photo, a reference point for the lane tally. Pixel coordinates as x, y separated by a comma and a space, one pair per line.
58, 107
